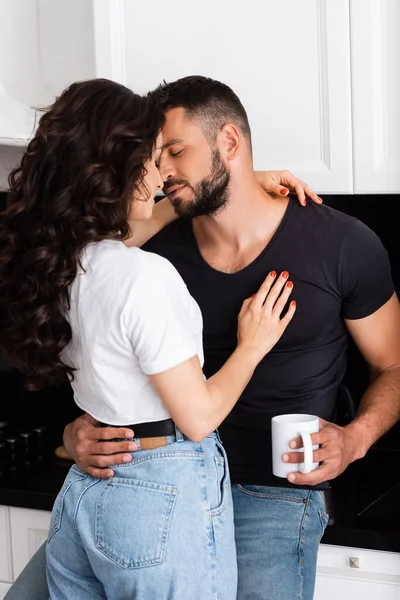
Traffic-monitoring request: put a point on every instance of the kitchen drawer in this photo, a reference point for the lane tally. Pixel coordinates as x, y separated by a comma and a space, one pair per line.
359, 562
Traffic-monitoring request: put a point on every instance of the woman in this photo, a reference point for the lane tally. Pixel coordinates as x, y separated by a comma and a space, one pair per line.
82, 302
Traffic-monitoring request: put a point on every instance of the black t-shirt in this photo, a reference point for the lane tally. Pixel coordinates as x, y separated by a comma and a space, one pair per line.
340, 270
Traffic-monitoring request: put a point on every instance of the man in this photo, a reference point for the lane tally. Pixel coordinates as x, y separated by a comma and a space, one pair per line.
342, 285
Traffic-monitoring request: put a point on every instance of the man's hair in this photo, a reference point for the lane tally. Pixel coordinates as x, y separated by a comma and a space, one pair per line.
208, 102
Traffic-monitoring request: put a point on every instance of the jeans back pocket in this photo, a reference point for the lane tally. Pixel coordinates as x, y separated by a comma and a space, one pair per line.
133, 519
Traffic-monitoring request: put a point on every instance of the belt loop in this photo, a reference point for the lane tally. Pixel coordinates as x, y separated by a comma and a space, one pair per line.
178, 433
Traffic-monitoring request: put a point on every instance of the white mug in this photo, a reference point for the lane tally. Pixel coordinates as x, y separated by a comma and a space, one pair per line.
284, 429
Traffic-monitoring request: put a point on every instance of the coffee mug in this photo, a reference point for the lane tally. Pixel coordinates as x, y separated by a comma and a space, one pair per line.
284, 429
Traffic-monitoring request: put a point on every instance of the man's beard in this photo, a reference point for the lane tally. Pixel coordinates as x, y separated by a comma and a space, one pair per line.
210, 195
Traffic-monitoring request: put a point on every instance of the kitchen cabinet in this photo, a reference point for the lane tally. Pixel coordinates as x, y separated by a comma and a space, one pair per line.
44, 46
376, 95
349, 573
6, 572
320, 79
29, 529
4, 587
288, 62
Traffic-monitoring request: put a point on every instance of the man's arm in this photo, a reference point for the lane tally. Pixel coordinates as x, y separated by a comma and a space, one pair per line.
378, 339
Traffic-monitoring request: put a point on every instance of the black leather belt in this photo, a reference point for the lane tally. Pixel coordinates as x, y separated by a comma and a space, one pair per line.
146, 430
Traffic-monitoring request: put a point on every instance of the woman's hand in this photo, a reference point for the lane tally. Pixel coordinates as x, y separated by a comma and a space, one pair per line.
283, 182
87, 443
260, 325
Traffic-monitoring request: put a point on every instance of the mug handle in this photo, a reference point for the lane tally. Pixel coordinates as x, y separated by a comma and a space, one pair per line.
307, 465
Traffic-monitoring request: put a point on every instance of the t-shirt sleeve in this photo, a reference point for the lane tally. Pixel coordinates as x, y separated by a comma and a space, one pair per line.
366, 274
158, 317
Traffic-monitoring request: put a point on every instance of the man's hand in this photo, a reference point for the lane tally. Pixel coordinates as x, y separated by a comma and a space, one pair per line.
339, 446
283, 182
87, 443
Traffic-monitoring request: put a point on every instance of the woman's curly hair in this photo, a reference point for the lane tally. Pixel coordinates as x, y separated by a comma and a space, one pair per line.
74, 186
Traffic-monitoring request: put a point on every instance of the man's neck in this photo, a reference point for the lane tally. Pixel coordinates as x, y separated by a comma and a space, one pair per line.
248, 215
233, 238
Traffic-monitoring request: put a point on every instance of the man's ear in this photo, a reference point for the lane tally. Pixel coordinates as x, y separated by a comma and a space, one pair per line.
229, 140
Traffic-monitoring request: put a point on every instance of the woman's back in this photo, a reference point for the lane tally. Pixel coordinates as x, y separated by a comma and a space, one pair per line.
131, 316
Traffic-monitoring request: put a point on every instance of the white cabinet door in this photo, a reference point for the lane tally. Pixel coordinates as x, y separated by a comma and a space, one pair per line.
353, 573
44, 46
375, 39
29, 529
4, 587
6, 572
288, 61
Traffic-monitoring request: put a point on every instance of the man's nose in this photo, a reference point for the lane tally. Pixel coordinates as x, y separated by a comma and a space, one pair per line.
166, 169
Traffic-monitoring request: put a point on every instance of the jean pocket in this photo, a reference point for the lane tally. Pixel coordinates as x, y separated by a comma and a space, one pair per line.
319, 496
133, 520
222, 480
324, 518
272, 493
73, 476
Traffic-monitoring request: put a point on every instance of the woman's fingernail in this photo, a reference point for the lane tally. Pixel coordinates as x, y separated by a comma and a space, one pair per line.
129, 433
252, 296
294, 303
285, 274
292, 477
273, 273
289, 284
285, 458
292, 445
284, 191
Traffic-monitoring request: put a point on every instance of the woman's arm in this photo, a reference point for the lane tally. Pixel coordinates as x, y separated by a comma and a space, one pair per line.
163, 214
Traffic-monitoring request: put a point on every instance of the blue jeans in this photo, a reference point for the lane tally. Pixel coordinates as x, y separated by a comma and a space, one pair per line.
277, 536
161, 528
278, 531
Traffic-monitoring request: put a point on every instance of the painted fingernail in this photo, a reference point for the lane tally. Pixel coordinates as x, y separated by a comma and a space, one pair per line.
293, 303
292, 477
292, 445
284, 191
285, 274
289, 284
285, 458
273, 273
252, 296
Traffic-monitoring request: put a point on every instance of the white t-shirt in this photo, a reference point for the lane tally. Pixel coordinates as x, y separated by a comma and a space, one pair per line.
131, 316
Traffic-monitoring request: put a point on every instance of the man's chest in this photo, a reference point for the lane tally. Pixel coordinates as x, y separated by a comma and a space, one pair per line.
220, 297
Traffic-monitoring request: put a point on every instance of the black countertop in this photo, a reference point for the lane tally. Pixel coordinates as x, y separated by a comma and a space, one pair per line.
364, 502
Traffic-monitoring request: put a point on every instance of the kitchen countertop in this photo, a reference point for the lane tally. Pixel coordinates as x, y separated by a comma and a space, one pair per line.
364, 502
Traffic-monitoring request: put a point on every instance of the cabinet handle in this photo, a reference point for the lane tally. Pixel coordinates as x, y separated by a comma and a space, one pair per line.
354, 562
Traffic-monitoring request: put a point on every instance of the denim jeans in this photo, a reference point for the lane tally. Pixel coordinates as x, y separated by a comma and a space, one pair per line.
278, 531
277, 536
161, 528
